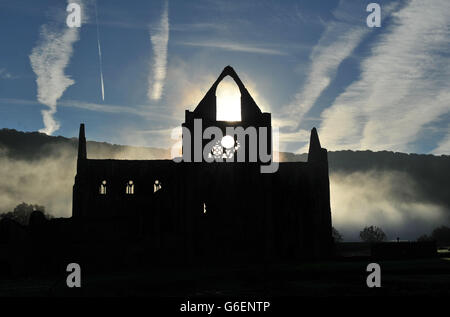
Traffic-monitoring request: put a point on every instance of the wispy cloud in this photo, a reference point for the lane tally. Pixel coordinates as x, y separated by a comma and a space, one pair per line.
49, 59
100, 107
294, 137
4, 74
238, 47
403, 84
335, 45
198, 26
146, 111
159, 38
443, 146
337, 42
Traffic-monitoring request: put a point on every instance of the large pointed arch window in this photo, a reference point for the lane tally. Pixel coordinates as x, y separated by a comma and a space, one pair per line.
228, 100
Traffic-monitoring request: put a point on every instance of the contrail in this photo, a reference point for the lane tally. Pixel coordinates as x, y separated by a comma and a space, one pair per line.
159, 38
99, 53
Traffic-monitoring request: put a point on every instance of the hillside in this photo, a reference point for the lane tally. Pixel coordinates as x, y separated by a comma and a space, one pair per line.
35, 146
407, 194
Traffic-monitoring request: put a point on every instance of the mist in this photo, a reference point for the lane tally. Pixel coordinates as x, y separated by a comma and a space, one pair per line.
405, 195
48, 180
391, 200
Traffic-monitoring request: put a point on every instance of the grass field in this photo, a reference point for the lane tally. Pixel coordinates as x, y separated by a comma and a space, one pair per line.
332, 278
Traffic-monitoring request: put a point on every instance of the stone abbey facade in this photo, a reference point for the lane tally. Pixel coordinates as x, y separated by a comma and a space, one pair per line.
201, 210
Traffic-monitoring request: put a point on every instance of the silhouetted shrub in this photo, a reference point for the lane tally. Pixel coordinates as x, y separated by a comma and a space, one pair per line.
424, 238
372, 234
336, 235
441, 235
22, 213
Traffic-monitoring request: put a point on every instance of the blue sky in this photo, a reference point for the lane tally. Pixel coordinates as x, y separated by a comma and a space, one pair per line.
309, 63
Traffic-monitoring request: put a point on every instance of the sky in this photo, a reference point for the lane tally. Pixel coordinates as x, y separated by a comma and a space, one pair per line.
130, 76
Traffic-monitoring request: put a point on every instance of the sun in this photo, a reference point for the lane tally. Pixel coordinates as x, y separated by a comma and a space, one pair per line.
228, 99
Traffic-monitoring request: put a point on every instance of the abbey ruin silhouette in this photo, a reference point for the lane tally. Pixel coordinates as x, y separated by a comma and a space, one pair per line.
221, 210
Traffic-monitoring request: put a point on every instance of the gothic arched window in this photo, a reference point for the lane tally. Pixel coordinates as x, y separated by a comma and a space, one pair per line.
130, 188
103, 188
156, 186
228, 100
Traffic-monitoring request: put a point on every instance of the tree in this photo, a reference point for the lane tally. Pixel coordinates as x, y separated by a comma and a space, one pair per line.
22, 212
424, 238
441, 235
372, 234
336, 235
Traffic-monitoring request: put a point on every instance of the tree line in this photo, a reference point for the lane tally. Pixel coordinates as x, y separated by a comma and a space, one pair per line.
375, 234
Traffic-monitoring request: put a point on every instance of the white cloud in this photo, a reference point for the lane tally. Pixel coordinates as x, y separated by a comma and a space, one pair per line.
238, 47
49, 60
159, 39
403, 84
338, 41
336, 44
